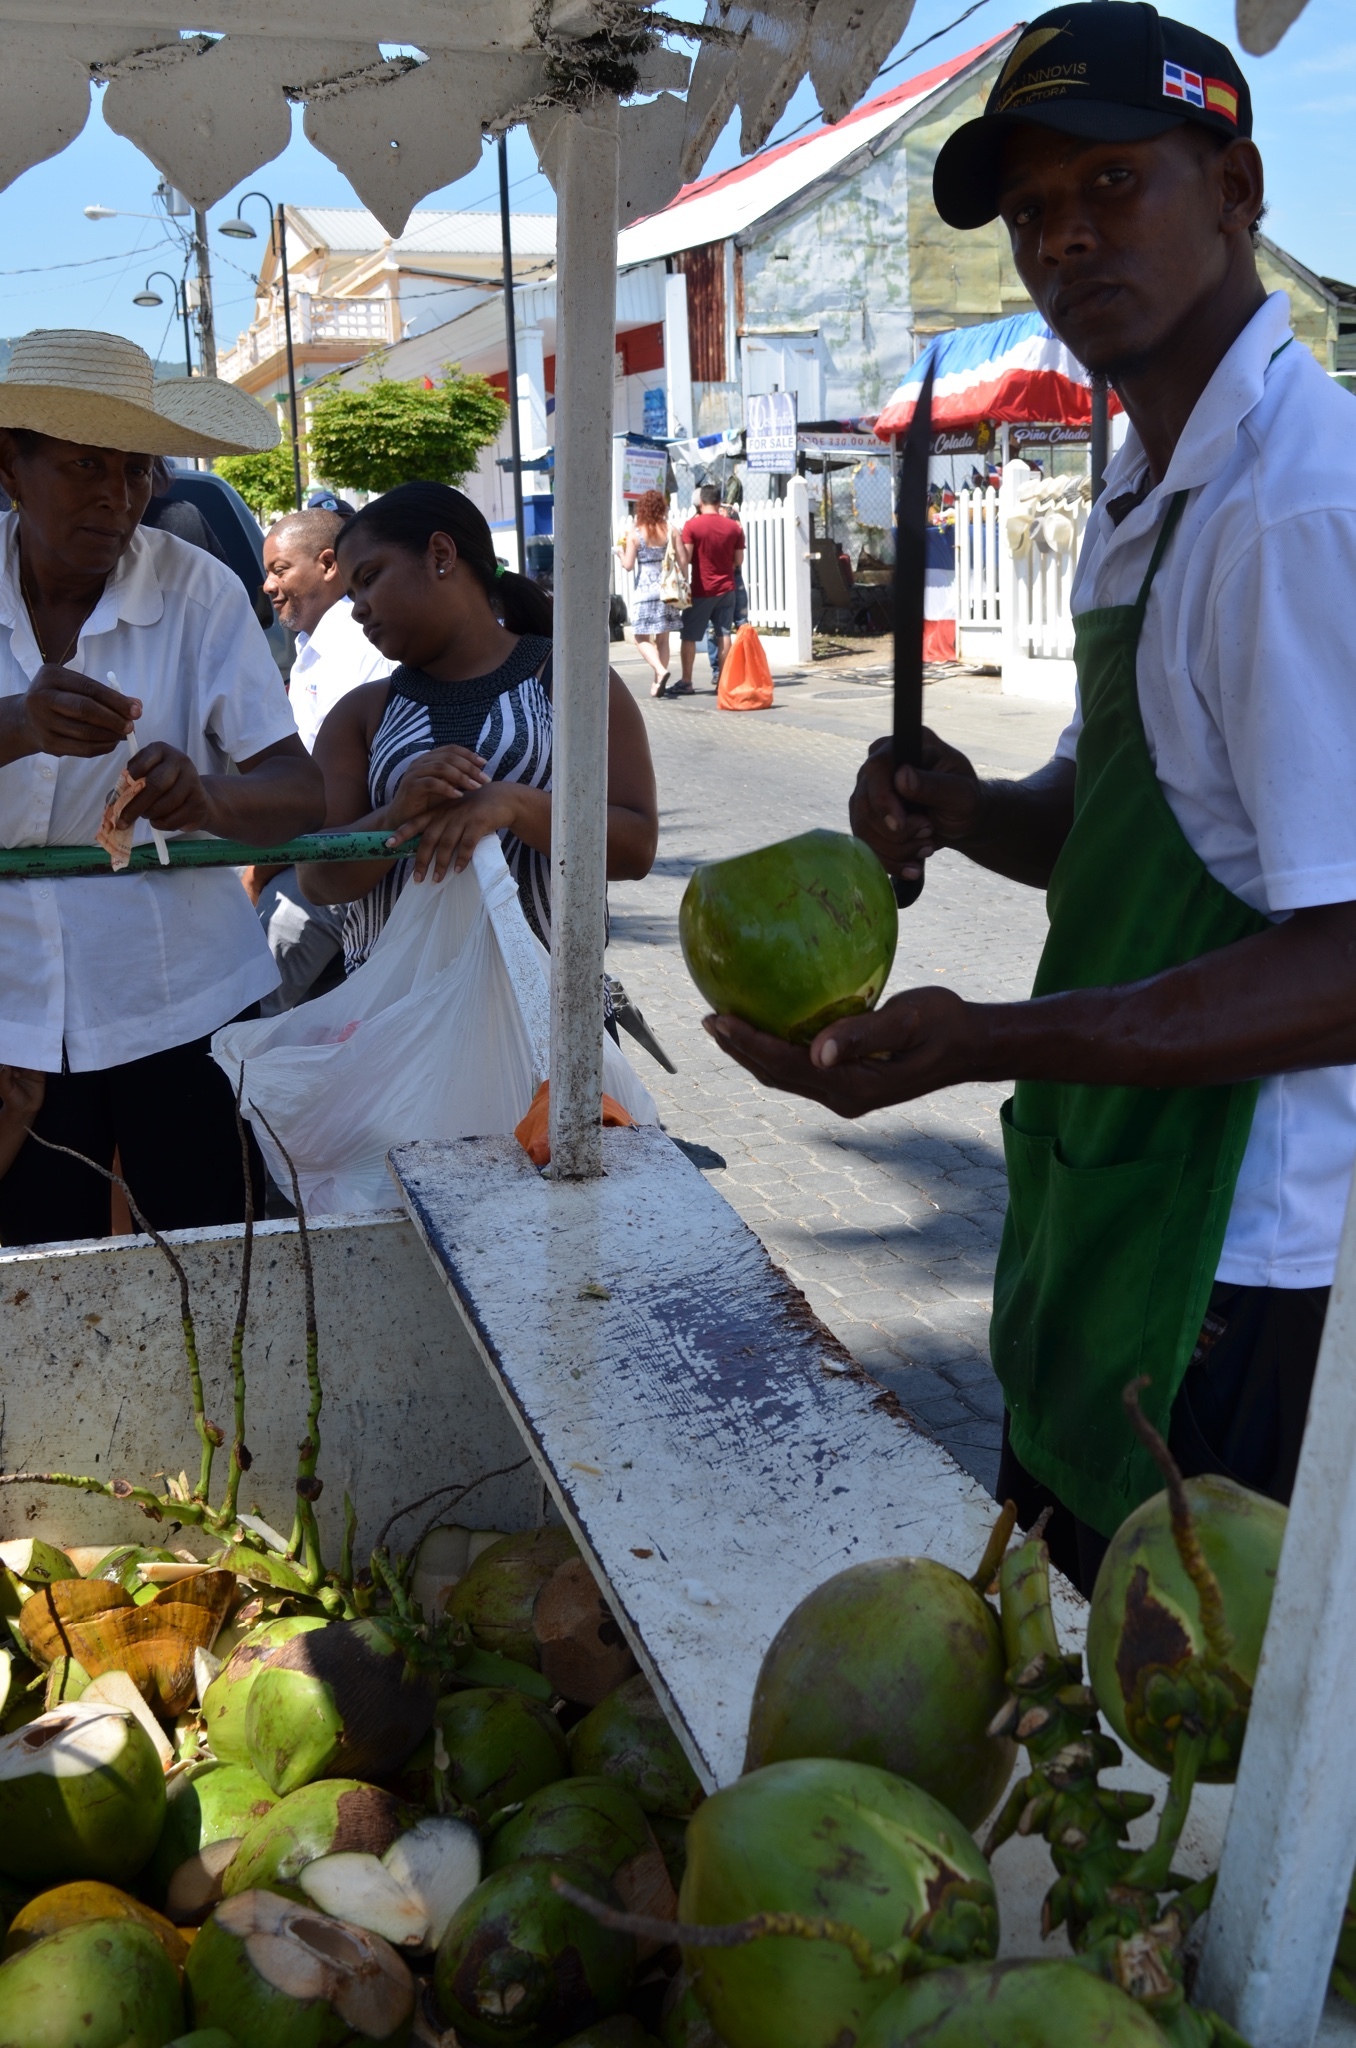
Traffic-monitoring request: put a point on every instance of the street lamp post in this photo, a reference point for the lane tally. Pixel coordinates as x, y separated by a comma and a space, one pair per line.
146, 297
511, 341
240, 230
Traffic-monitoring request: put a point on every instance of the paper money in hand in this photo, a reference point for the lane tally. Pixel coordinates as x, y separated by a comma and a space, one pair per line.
115, 837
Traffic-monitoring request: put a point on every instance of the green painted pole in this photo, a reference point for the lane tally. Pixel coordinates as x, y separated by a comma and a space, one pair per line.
44, 863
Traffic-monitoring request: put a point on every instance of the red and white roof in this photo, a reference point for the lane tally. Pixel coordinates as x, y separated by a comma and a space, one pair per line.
729, 201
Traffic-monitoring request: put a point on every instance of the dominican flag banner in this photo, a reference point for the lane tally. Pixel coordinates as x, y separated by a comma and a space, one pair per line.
1007, 370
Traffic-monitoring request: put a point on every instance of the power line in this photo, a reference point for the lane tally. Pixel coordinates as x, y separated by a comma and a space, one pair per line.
84, 262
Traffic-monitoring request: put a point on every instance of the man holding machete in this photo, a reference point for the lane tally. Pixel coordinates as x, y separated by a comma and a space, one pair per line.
1181, 1137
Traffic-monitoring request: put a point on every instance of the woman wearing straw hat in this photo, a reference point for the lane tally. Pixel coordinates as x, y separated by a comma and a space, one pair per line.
127, 656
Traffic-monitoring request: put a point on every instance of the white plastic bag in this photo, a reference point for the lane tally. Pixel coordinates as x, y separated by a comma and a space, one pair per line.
441, 1033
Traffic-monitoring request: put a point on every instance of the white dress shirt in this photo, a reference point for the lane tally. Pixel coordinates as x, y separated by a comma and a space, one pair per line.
113, 967
1249, 709
330, 662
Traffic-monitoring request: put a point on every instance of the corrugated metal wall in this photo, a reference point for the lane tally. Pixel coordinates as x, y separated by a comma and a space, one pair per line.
704, 270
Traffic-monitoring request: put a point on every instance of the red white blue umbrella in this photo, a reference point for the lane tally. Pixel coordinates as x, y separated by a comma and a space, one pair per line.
1007, 370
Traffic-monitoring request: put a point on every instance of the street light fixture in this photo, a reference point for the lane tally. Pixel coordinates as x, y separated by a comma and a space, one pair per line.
239, 230
147, 297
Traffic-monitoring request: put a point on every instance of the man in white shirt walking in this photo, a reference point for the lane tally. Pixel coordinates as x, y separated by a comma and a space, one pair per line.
333, 657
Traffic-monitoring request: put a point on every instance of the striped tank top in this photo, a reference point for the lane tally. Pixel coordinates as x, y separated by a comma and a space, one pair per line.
506, 718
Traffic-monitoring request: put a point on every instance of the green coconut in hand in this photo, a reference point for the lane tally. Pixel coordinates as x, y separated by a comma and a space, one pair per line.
97, 1984
342, 1701
227, 1697
1178, 1614
273, 1974
82, 1794
1011, 2005
596, 1822
500, 1747
897, 1663
627, 1737
520, 1965
792, 936
209, 1809
325, 1819
825, 1840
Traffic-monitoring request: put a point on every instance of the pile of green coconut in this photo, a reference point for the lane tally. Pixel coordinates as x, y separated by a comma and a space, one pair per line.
229, 1817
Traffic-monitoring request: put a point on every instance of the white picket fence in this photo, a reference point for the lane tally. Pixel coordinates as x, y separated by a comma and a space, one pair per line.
776, 570
1012, 604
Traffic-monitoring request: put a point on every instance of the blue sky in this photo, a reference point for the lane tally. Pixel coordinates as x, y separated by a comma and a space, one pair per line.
1304, 95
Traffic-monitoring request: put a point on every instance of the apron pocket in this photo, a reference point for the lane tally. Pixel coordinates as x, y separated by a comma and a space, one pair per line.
1074, 1304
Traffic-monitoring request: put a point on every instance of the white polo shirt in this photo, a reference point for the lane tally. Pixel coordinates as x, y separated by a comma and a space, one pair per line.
1247, 688
113, 967
330, 662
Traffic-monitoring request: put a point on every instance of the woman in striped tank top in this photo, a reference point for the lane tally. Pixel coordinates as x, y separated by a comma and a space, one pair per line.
457, 742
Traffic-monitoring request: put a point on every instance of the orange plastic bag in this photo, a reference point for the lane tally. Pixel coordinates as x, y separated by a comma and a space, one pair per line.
745, 678
533, 1132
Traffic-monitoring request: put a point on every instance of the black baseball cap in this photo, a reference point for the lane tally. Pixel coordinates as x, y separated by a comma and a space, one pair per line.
1109, 70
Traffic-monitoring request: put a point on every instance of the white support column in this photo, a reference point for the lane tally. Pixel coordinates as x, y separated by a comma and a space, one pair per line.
1291, 1841
586, 298
797, 542
677, 357
533, 430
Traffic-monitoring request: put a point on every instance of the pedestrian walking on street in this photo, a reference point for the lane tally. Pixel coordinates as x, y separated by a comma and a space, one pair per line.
712, 550
653, 618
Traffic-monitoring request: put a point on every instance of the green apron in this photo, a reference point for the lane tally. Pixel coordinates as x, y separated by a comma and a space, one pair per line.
1118, 1198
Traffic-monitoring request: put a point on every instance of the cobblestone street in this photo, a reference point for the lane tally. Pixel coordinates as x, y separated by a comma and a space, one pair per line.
890, 1225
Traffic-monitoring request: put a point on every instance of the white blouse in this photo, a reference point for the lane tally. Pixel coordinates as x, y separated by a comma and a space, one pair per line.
109, 968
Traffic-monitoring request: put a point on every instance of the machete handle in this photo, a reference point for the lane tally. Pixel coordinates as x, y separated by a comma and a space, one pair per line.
907, 890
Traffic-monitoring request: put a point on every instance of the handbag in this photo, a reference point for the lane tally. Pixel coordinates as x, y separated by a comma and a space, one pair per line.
673, 584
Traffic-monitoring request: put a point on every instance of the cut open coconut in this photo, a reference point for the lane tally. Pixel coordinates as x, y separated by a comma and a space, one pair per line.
115, 1689
35, 1562
278, 1975
407, 1896
82, 1794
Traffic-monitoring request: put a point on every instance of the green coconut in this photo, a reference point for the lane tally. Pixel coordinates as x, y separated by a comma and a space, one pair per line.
521, 1966
1146, 1645
686, 2023
325, 1819
497, 1594
273, 1974
203, 2037
342, 1701
122, 1567
671, 1835
596, 1822
897, 1663
1011, 2005
841, 1841
627, 1737
82, 1794
97, 1984
208, 1809
623, 2030
35, 1563
791, 936
226, 1698
501, 1747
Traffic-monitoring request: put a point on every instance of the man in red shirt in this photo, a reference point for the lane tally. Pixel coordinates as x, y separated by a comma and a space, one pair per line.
712, 548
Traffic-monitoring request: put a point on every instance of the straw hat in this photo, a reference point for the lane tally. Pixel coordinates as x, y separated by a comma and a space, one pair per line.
76, 385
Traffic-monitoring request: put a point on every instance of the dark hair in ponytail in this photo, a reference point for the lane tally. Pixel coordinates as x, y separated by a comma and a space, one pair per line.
410, 515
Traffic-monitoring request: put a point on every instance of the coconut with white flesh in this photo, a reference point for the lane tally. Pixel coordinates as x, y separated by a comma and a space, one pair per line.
209, 1809
342, 1701
409, 1895
274, 1974
330, 1818
82, 1794
227, 1697
36, 1563
115, 1689
100, 1983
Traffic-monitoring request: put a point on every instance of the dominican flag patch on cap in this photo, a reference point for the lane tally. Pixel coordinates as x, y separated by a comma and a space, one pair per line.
1181, 84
